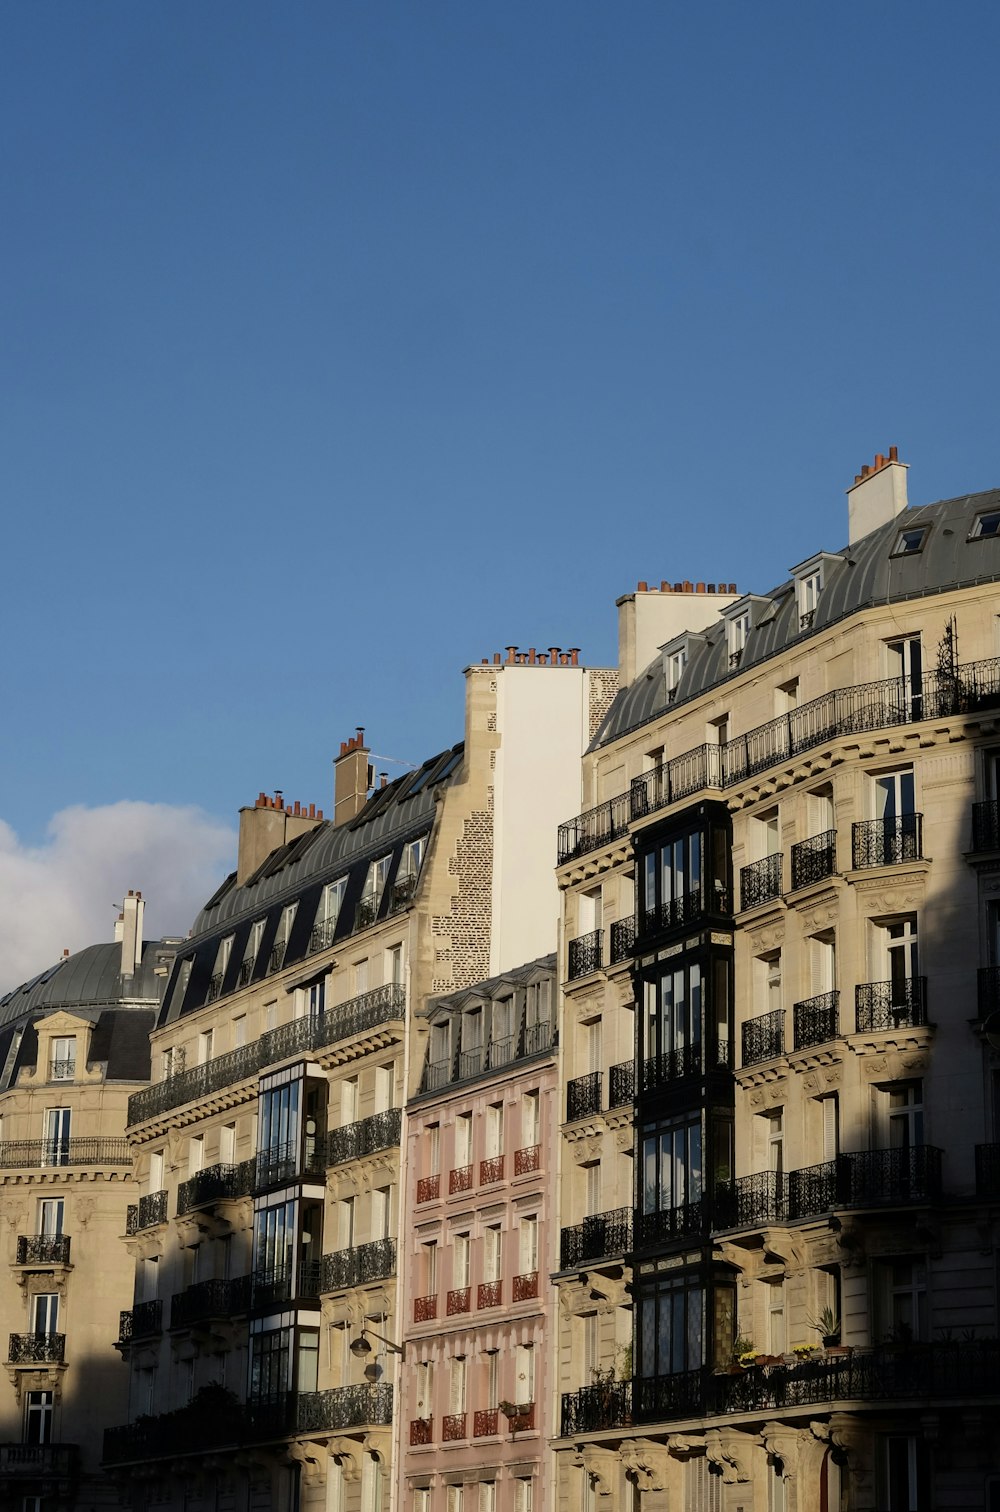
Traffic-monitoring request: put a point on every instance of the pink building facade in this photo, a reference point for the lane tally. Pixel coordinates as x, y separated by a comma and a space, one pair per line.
475, 1407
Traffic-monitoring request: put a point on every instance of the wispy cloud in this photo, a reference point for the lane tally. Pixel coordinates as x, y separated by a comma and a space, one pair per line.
65, 891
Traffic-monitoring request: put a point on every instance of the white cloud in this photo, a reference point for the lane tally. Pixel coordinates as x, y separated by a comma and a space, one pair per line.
66, 891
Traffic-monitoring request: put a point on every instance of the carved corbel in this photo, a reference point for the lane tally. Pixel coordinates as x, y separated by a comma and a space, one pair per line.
344, 1452
685, 1444
601, 1465
311, 1459
784, 1443
728, 1448
648, 1462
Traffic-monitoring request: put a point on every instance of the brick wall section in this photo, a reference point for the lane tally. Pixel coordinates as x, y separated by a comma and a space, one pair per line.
602, 685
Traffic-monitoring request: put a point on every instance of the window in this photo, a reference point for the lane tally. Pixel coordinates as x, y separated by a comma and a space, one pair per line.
413, 855
671, 1165
829, 1110
487, 1496
897, 957
593, 1179
461, 1255
252, 951
432, 1149
902, 1473
767, 982
360, 977
673, 1023
675, 663
894, 796
775, 1298
346, 1208
910, 542
531, 1120
424, 1377
270, 1364
765, 835
672, 882
463, 1139
737, 631
38, 1414
394, 965
227, 1143
671, 1326
430, 1267
51, 1215
371, 897
385, 1086
239, 1030
901, 1305
524, 1371
590, 912
523, 1495
492, 1253
57, 1136
62, 1066
280, 945
904, 663
786, 696
196, 1154
823, 962
810, 586
528, 1244
45, 1313
330, 904
457, 1382
905, 1114
494, 1130
986, 526
206, 1040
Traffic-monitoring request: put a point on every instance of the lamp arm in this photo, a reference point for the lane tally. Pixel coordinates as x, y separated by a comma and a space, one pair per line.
396, 1348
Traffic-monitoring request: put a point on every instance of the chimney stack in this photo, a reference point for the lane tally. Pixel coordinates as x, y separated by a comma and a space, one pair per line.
270, 823
650, 616
130, 921
353, 777
877, 495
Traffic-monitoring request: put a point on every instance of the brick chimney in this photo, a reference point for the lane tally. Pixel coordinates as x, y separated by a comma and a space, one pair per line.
269, 824
877, 495
353, 778
128, 931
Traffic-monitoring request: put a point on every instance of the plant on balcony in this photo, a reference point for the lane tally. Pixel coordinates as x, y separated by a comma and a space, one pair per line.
623, 1355
827, 1325
803, 1351
744, 1352
518, 1415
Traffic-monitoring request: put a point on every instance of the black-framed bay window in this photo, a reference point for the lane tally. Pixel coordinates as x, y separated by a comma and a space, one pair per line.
686, 1024
684, 874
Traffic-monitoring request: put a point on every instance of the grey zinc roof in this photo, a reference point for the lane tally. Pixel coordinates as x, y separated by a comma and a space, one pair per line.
89, 979
870, 575
516, 976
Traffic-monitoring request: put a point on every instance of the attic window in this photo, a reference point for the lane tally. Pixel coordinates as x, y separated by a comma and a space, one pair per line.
738, 630
986, 527
909, 542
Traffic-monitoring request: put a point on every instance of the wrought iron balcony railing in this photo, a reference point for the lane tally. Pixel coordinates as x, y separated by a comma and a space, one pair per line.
403, 889
684, 909
366, 913
282, 1163
986, 825
988, 1170
286, 1283
844, 711
887, 842
988, 986
453, 1426
855, 1179
214, 988
358, 1016
374, 1261
814, 859
583, 1096
764, 1037
622, 940
62, 1070
816, 1021
142, 1321
760, 882
527, 1160
670, 1065
379, 1132
602, 1236
210, 1299
491, 1170
475, 1060
42, 1249
424, 1309
489, 1294
428, 1188
343, 1407
592, 1409
25, 1154
421, 1431
321, 935
655, 1229
216, 1183
458, 1300
585, 954
460, 1179
890, 1005
37, 1349
621, 1084
146, 1213
485, 1422
525, 1287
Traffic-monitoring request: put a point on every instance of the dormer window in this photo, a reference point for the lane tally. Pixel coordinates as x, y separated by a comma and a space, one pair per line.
811, 578
810, 589
987, 526
62, 1066
911, 542
739, 629
675, 659
740, 619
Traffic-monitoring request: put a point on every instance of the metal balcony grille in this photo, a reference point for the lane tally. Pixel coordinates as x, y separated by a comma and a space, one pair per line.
602, 1236
608, 1404
489, 1294
453, 1426
622, 940
24, 1154
814, 859
458, 1300
670, 1065
815, 1021
286, 1283
428, 1188
42, 1249
764, 1037
62, 1070
142, 1321
460, 1179
525, 1287
890, 1005
214, 989
321, 935
621, 1084
887, 842
365, 1137
583, 1096
277, 956
585, 954
491, 1170
357, 1266
150, 1210
760, 882
366, 913
210, 1299
485, 1422
654, 1229
858, 1178
216, 1183
37, 1349
986, 826
246, 971
593, 828
686, 908
424, 1309
527, 1160
421, 1431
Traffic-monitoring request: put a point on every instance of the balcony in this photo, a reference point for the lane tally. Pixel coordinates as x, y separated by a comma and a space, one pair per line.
143, 1321
525, 1287
988, 986
214, 988
583, 1096
286, 1283
42, 1249
421, 1431
489, 1294
607, 1404
655, 1229
31, 1154
216, 1183
453, 1426
856, 1179
246, 971
988, 1171
358, 1016
424, 1309
585, 954
814, 860
36, 1349
844, 711
485, 1423
491, 1170
460, 1179
602, 1236
36, 1462
621, 1085
342, 1407
527, 1160
670, 1066
428, 1188
887, 842
282, 1163
760, 882
366, 1137
764, 1037
62, 1070
403, 891
210, 1299
986, 826
458, 1300
321, 935
816, 1020
477, 1060
684, 909
622, 940
357, 1266
890, 1005
147, 1213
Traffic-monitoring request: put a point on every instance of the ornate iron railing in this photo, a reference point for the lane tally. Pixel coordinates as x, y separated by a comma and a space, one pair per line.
286, 1283
886, 842
537, 1038
500, 1052
816, 1020
491, 1170
668, 1396
843, 711
583, 1096
37, 1460
602, 1236
42, 1249
23, 1154
988, 988
429, 1188
424, 1309
460, 1179
485, 1422
527, 1160
146, 1213
458, 1300
764, 1037
585, 954
62, 1070
621, 1084
403, 889
343, 1407
214, 988
670, 1065
652, 1229
453, 1426
142, 1321
358, 1016
760, 882
489, 1294
525, 1287
986, 825
814, 859
686, 908
622, 940
374, 1261
471, 1061
421, 1431
321, 935
379, 1132
366, 913
210, 1299
607, 1404
890, 1005
988, 1170
857, 1178
216, 1183
37, 1349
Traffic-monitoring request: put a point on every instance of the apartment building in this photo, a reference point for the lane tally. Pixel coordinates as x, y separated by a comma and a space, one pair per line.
263, 1343
781, 963
74, 1043
476, 1317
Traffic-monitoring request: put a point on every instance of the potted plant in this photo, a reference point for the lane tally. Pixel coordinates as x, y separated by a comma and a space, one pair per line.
518, 1415
827, 1325
744, 1353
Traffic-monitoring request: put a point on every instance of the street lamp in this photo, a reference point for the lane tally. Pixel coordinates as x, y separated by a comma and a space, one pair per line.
360, 1347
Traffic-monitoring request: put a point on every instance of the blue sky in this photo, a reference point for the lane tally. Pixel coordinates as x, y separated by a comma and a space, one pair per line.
346, 343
